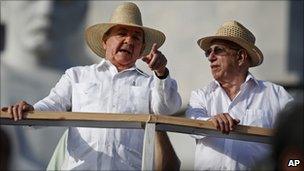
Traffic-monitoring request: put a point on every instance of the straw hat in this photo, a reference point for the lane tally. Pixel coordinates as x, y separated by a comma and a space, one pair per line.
237, 33
127, 14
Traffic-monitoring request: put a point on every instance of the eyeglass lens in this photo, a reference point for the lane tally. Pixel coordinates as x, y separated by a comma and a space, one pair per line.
216, 50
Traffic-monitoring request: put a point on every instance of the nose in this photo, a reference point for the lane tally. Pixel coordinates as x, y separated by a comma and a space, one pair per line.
44, 8
212, 57
128, 39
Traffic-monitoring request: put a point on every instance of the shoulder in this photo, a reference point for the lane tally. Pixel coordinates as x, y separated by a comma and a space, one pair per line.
81, 69
78, 71
273, 89
276, 92
270, 85
204, 91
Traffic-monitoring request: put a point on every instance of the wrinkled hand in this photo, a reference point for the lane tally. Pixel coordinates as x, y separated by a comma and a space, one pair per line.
156, 61
18, 110
224, 122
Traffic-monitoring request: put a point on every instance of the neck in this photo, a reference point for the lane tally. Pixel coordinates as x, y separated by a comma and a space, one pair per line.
233, 85
120, 67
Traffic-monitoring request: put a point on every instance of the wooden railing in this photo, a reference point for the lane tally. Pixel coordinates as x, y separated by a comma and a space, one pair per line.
150, 123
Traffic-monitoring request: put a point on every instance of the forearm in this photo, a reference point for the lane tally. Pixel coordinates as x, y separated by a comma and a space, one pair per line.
165, 98
52, 103
59, 98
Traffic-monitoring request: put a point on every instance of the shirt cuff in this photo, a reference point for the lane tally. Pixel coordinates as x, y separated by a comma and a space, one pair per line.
36, 107
164, 76
162, 84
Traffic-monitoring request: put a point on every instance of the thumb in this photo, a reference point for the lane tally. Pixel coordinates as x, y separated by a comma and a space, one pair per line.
236, 121
28, 108
154, 48
146, 58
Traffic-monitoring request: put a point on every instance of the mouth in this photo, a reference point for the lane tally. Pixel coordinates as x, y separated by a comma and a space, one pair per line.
214, 66
124, 51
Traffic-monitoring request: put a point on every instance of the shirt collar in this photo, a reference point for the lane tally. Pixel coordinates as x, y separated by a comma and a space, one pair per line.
101, 64
106, 64
249, 78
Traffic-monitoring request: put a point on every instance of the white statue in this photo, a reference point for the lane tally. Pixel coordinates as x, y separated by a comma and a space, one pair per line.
43, 38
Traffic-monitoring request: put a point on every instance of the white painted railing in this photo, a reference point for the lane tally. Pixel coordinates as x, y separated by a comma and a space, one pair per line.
150, 123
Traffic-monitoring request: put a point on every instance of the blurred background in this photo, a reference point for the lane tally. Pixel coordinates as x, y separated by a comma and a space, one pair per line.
41, 39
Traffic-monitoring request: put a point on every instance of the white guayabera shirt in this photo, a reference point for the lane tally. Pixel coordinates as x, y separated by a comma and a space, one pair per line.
257, 104
100, 88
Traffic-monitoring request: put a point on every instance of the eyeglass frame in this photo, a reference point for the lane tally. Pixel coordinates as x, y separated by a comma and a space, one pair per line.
224, 49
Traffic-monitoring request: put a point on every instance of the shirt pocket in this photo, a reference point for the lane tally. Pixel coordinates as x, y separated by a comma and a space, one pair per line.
139, 99
86, 96
258, 118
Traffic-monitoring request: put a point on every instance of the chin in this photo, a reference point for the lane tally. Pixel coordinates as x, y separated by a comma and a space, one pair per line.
44, 48
216, 76
124, 59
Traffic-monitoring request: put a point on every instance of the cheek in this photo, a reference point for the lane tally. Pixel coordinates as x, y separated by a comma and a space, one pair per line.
113, 42
225, 63
232, 65
138, 47
111, 48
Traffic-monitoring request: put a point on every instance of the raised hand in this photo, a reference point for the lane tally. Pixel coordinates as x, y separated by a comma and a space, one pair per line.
156, 61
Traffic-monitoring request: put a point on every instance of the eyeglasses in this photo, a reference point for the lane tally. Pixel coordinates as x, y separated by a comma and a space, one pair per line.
217, 50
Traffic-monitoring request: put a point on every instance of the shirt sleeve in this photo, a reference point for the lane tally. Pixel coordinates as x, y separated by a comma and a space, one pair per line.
196, 107
59, 98
164, 97
284, 97
197, 110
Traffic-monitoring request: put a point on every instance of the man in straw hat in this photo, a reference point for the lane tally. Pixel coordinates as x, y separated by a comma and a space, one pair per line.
234, 97
115, 85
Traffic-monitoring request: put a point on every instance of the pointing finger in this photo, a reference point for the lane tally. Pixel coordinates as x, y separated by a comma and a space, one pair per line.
153, 61
146, 58
154, 48
149, 57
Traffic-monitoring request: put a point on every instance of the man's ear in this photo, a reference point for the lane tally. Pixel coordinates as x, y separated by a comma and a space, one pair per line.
242, 57
104, 45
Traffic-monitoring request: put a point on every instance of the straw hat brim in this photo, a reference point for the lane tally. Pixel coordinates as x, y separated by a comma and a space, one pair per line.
254, 52
95, 33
